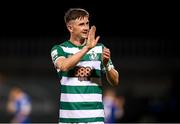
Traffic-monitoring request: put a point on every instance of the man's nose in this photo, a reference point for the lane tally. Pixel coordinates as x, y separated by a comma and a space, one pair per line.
86, 27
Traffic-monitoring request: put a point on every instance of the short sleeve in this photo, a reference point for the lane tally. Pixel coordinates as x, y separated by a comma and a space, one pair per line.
109, 65
56, 53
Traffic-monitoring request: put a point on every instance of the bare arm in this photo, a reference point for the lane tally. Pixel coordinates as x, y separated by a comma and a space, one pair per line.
112, 75
64, 64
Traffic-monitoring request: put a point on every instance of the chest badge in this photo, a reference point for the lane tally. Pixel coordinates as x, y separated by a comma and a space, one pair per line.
93, 56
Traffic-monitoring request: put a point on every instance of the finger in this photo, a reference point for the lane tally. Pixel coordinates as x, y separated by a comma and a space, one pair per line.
106, 57
97, 39
91, 34
106, 52
106, 49
92, 30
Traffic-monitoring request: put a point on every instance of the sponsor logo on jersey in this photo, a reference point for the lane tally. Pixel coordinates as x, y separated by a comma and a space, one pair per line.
83, 73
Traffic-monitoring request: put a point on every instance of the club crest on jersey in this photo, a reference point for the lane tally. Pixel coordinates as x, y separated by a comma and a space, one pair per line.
93, 56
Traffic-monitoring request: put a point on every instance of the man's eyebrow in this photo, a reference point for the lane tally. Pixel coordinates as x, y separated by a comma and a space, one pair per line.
81, 23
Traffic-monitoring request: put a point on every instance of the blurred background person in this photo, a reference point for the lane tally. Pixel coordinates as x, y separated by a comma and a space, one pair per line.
119, 103
109, 105
19, 105
113, 106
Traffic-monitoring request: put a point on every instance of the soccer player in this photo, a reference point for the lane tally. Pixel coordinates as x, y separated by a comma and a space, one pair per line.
113, 106
20, 105
79, 62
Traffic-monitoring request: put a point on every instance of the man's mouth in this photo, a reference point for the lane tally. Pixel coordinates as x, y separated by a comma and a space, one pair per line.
84, 32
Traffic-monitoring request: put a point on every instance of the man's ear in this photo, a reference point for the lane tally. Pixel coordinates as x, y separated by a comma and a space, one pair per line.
69, 27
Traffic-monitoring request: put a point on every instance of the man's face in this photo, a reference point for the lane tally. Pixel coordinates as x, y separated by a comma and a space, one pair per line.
79, 27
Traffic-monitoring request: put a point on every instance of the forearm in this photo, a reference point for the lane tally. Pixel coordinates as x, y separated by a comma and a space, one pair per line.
112, 77
72, 61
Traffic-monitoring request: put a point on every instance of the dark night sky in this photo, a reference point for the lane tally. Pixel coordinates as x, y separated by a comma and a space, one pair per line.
111, 18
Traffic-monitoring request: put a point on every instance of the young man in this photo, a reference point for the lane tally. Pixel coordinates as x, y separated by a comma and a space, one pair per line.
79, 62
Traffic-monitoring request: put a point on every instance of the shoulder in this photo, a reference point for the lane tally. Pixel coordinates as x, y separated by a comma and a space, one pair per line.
58, 46
100, 44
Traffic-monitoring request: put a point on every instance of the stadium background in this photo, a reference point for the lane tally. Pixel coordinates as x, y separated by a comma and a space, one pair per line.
143, 38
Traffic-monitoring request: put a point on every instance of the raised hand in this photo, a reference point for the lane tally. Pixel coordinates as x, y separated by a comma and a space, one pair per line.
91, 40
106, 56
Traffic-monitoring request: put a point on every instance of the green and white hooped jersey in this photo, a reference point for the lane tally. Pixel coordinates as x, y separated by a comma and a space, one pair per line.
81, 87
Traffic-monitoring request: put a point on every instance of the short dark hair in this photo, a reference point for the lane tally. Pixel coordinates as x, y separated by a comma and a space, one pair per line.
75, 13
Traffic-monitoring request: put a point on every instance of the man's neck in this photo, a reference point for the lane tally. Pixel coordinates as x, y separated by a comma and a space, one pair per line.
77, 42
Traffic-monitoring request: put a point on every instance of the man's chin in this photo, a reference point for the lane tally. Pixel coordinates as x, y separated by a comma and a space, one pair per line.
84, 37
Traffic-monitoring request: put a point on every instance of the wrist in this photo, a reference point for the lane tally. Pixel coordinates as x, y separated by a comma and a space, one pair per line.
86, 48
108, 67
